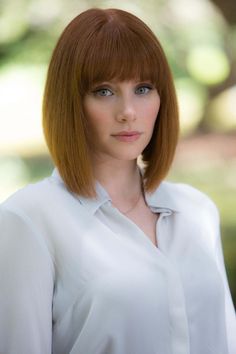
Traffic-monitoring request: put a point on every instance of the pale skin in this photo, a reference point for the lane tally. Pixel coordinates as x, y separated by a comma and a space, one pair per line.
113, 107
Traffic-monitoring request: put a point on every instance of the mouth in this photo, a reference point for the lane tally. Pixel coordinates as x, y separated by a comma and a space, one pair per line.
126, 133
127, 136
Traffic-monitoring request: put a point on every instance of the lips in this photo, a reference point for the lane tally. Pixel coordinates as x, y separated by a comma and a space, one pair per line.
127, 136
127, 133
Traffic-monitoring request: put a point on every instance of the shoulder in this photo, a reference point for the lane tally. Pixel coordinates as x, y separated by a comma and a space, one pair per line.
28, 199
183, 190
18, 225
38, 213
196, 213
40, 203
47, 193
43, 203
19, 212
186, 198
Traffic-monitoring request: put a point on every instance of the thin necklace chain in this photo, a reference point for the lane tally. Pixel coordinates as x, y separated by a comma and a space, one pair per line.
136, 202
129, 210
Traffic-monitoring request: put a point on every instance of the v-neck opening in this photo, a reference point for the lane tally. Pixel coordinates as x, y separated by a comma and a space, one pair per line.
142, 233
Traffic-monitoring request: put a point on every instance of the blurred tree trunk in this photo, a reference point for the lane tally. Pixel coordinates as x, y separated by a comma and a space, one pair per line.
228, 10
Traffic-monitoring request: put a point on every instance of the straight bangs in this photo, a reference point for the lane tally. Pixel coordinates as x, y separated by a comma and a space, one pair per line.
118, 53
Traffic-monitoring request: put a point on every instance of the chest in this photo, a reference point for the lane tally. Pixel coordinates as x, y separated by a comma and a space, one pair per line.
106, 275
146, 220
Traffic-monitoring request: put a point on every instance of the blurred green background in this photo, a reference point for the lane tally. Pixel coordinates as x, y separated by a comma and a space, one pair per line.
199, 38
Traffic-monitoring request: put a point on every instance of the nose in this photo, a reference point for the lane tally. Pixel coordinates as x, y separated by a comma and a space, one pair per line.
126, 111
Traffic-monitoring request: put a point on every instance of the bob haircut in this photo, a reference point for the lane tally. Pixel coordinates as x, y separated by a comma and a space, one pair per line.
100, 45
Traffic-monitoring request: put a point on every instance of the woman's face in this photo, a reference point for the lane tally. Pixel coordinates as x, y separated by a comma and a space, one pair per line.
121, 118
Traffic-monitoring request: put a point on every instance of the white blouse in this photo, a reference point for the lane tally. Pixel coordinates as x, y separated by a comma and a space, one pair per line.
79, 277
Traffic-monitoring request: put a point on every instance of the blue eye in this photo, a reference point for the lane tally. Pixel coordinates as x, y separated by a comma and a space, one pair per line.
143, 89
103, 92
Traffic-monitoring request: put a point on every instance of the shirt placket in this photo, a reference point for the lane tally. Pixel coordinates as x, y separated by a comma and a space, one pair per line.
179, 331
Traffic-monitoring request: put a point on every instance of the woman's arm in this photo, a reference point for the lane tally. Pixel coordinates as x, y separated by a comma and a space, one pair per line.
26, 279
229, 307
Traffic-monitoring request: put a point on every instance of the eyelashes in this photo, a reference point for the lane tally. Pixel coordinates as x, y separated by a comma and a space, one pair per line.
142, 89
102, 92
146, 87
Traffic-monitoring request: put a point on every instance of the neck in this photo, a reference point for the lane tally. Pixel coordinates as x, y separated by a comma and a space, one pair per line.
121, 179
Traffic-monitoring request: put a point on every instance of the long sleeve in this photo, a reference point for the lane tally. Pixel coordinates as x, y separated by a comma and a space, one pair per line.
229, 307
26, 278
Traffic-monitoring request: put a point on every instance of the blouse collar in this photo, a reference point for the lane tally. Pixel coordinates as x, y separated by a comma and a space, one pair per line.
160, 200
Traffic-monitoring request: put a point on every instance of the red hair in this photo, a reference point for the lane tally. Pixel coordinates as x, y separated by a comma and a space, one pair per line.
99, 45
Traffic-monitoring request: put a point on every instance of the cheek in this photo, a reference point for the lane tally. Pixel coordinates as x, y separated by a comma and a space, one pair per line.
152, 113
156, 106
96, 115
98, 125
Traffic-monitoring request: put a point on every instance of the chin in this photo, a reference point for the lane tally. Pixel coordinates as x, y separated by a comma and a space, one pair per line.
127, 156
125, 152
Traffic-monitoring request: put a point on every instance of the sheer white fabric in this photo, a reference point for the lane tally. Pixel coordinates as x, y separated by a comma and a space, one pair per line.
79, 277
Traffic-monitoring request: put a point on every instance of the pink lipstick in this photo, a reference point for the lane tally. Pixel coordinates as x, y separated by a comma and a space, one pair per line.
127, 136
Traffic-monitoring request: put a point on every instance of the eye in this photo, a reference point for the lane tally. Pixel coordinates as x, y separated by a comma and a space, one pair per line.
142, 90
103, 92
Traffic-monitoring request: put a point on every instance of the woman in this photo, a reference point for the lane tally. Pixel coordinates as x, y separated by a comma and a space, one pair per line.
104, 256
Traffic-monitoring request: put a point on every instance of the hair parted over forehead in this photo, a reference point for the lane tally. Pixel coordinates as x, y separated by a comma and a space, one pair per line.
119, 46
99, 45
